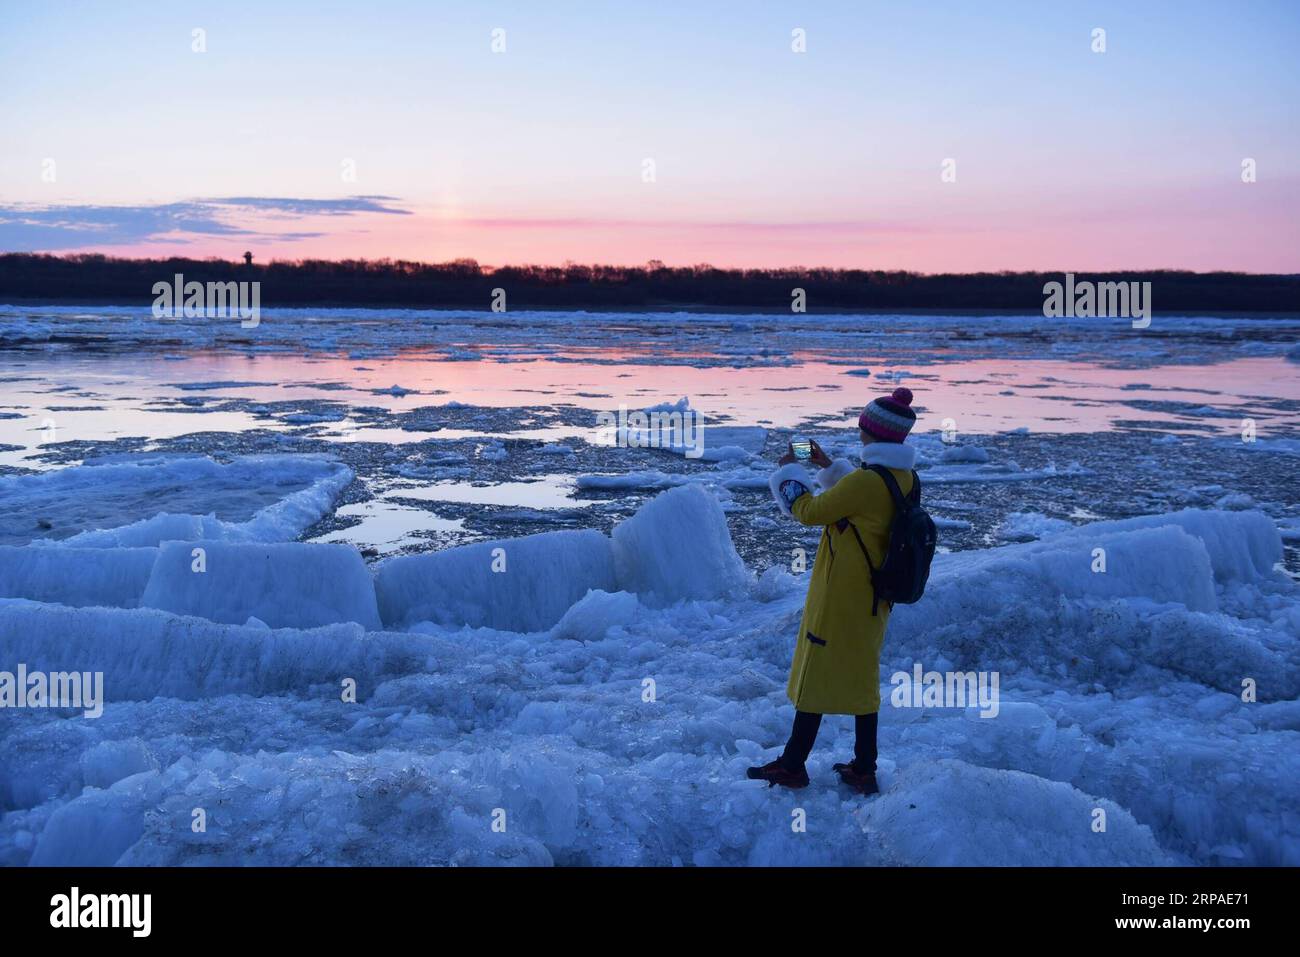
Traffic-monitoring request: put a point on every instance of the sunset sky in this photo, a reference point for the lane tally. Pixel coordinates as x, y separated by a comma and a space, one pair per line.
1065, 158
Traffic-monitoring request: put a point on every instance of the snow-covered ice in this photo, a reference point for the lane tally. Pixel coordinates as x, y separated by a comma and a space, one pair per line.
524, 584
114, 577
677, 547
526, 690
284, 585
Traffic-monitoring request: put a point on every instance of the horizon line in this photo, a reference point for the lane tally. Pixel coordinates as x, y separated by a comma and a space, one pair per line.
488, 268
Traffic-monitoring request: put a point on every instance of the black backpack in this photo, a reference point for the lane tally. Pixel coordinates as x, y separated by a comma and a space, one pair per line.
901, 577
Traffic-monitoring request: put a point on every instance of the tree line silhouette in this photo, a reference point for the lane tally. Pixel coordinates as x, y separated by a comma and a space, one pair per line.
464, 283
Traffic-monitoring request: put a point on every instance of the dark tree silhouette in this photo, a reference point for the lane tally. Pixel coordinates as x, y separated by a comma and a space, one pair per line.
464, 283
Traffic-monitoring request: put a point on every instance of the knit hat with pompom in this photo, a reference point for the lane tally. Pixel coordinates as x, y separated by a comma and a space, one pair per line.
889, 418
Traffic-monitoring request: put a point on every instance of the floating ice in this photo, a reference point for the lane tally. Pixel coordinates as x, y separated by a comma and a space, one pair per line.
964, 453
1021, 526
158, 498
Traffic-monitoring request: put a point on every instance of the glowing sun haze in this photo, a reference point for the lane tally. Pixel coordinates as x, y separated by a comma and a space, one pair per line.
120, 138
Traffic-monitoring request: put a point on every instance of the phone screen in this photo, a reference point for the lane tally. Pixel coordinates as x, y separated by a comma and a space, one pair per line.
802, 449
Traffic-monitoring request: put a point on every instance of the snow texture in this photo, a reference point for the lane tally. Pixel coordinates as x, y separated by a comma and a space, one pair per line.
608, 693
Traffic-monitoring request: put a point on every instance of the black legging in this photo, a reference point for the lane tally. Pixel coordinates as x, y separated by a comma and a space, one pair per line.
804, 734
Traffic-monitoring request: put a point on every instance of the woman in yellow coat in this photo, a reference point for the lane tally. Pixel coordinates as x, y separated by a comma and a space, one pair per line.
836, 668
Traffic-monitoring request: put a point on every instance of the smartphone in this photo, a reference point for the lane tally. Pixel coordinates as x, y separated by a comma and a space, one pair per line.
801, 447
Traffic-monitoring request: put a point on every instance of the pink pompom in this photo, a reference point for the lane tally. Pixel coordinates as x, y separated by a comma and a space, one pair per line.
903, 396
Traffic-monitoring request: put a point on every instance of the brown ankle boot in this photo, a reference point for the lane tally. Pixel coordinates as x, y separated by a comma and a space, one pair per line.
777, 773
864, 783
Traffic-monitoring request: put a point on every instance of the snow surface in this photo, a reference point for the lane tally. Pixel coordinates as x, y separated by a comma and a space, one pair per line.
976, 814
607, 693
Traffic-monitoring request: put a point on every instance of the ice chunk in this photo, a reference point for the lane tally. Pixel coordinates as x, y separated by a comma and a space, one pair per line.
950, 524
677, 547
964, 453
110, 761
597, 612
1235, 501
775, 582
1161, 563
1100, 602
163, 527
286, 585
519, 584
1024, 526
114, 577
646, 479
98, 827
495, 451
1242, 546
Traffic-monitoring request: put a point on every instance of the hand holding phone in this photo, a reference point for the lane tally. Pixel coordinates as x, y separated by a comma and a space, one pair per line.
818, 457
804, 451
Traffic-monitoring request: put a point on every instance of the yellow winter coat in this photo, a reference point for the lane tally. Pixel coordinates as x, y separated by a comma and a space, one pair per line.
836, 668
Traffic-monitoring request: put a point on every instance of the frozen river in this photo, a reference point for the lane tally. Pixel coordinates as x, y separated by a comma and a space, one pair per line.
126, 442
412, 400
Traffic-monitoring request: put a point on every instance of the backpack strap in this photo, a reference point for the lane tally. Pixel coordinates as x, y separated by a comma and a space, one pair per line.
891, 484
875, 602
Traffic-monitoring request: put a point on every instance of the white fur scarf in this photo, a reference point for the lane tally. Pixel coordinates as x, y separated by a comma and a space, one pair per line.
892, 455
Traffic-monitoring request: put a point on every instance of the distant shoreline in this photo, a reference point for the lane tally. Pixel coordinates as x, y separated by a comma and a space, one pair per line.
463, 285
